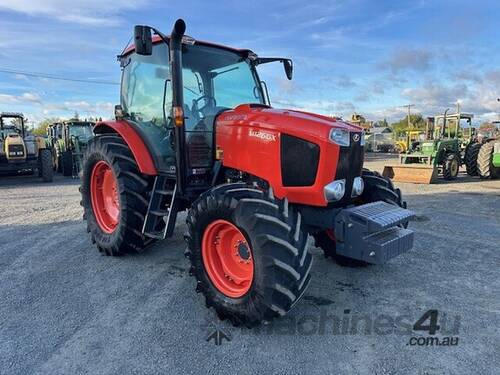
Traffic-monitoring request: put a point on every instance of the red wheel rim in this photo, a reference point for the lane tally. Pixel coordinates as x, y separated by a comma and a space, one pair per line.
104, 196
227, 258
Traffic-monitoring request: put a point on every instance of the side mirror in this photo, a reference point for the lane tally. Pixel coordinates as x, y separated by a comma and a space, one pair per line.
119, 113
288, 65
143, 41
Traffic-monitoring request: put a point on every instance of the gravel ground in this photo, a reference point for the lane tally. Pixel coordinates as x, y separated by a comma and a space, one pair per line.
65, 309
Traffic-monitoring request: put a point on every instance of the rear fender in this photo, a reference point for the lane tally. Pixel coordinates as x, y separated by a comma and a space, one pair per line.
137, 146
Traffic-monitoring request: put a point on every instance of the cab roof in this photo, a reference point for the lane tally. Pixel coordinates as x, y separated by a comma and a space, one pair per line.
189, 40
11, 114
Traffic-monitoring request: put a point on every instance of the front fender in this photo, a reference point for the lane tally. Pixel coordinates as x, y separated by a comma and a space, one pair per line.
137, 146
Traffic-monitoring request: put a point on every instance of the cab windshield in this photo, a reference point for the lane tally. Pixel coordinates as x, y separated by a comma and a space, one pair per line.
214, 80
11, 125
83, 132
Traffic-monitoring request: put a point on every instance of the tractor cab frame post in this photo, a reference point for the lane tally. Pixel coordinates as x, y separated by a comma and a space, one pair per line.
143, 46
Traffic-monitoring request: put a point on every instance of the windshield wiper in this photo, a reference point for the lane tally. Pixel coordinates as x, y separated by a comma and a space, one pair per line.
215, 74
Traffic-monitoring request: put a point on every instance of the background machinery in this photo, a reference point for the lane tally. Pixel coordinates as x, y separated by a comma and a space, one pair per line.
69, 140
360, 120
488, 155
440, 154
195, 131
21, 151
54, 135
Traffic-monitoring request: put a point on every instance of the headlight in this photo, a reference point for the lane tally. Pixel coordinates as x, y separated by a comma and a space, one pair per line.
357, 187
335, 190
339, 136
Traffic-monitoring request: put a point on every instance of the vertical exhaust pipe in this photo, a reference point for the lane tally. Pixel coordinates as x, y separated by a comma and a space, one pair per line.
178, 102
443, 130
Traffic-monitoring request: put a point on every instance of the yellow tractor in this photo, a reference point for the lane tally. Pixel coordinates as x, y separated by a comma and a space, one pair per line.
21, 151
360, 120
412, 136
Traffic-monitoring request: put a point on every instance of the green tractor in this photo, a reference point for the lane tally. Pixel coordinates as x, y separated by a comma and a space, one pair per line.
54, 134
488, 157
69, 140
473, 149
440, 154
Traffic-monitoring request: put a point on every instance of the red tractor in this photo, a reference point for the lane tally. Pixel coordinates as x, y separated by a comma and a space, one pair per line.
195, 131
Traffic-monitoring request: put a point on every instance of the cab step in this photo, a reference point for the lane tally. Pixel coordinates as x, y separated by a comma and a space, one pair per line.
161, 216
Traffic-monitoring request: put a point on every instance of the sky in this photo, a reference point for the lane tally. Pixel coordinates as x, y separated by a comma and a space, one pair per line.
364, 56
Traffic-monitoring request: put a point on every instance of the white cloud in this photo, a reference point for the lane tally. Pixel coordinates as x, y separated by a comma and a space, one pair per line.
85, 108
408, 59
36, 109
477, 95
29, 97
326, 107
86, 12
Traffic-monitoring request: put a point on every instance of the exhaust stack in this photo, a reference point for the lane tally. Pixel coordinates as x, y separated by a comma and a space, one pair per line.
178, 102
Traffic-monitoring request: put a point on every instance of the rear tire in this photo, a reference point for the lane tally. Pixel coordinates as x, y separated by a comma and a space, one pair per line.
377, 188
67, 163
485, 161
46, 168
132, 190
274, 232
451, 166
471, 154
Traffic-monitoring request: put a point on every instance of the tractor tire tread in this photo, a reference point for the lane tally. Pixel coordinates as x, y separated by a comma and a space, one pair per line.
285, 262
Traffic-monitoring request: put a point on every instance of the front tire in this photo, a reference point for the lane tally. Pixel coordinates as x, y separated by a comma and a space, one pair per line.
485, 161
471, 154
377, 188
451, 166
270, 231
114, 196
46, 169
67, 163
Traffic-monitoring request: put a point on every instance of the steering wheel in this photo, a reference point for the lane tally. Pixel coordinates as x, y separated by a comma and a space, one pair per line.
208, 100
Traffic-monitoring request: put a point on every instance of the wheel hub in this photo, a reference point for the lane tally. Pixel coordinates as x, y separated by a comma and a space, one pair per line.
227, 258
243, 252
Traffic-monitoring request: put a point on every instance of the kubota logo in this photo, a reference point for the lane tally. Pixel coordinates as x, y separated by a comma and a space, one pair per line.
262, 135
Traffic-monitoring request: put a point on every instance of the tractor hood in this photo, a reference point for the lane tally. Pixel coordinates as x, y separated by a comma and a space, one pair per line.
296, 123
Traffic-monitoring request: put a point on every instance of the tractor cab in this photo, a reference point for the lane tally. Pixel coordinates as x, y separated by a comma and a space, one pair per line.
68, 141
20, 150
11, 124
54, 131
452, 126
12, 132
80, 131
446, 132
172, 92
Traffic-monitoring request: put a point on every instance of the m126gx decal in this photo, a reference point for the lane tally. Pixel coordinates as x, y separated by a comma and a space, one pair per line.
262, 135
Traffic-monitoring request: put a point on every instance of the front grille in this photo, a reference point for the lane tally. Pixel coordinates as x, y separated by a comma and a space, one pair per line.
16, 150
299, 161
350, 164
199, 149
